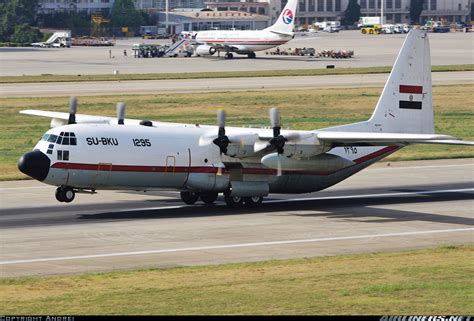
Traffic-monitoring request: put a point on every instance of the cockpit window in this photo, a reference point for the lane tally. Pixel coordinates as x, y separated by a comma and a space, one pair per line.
52, 138
67, 138
45, 137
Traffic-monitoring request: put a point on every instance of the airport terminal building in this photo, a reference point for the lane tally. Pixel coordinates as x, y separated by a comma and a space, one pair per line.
309, 11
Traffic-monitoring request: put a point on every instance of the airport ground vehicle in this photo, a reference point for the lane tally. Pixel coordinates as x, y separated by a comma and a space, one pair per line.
372, 30
85, 153
59, 39
328, 26
368, 21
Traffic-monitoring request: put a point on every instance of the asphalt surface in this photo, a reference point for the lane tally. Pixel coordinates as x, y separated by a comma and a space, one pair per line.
390, 206
214, 84
369, 50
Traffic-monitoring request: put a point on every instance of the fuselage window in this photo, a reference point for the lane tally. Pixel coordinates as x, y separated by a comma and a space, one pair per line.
63, 155
50, 149
60, 155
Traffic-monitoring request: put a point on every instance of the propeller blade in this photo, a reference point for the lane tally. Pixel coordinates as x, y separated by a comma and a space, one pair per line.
221, 118
120, 113
275, 117
72, 110
279, 171
260, 145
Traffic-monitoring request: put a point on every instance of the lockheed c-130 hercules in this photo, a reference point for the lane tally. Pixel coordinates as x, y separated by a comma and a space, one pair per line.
85, 154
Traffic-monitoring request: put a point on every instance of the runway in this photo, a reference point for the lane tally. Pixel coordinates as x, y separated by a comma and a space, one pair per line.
215, 84
390, 206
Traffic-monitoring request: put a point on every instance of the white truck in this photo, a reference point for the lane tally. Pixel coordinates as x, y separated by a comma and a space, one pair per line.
368, 21
328, 26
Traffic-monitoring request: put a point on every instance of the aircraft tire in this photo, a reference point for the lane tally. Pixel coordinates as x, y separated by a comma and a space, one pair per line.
253, 201
189, 197
228, 55
66, 194
58, 195
234, 201
209, 198
252, 55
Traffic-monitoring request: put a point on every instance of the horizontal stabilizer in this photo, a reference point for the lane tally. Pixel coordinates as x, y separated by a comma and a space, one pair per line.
282, 33
383, 139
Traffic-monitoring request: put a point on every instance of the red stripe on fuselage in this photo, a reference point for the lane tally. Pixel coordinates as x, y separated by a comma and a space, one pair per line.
208, 169
406, 89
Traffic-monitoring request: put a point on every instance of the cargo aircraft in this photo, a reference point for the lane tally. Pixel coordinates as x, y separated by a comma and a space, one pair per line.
85, 154
246, 42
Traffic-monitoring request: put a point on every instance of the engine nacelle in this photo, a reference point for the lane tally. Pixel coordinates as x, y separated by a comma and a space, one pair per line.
301, 151
205, 50
319, 163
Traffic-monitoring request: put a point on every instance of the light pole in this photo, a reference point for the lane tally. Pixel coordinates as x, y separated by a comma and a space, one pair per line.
166, 13
381, 12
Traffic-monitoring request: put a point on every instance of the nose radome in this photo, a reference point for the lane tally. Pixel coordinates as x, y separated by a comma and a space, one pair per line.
34, 164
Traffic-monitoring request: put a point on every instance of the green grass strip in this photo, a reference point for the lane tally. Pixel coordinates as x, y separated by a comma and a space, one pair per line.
224, 74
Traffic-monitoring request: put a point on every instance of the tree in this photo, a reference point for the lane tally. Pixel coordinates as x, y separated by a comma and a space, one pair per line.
124, 14
14, 13
416, 7
352, 13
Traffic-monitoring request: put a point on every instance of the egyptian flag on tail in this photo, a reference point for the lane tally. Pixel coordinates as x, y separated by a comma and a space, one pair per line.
410, 97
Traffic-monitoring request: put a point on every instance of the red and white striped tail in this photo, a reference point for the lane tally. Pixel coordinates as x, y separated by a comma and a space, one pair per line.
405, 105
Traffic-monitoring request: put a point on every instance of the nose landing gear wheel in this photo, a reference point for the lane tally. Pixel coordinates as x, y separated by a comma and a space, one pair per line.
189, 197
65, 194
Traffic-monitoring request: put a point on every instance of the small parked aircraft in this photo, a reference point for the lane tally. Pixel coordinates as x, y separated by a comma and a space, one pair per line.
246, 42
84, 154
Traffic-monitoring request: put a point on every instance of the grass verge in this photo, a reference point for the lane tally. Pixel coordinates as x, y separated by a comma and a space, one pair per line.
300, 109
224, 74
422, 282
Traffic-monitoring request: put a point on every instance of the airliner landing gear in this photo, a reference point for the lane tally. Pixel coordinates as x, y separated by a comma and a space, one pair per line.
189, 197
228, 55
253, 201
251, 55
209, 198
65, 194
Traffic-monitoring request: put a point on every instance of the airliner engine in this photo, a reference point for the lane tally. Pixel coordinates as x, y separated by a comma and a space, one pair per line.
205, 50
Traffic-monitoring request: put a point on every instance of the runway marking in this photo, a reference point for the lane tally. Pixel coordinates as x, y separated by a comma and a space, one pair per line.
233, 246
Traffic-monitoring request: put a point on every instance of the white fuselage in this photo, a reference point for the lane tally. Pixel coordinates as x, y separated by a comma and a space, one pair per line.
170, 157
243, 41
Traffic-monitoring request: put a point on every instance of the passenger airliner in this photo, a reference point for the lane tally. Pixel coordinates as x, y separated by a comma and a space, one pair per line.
84, 154
246, 42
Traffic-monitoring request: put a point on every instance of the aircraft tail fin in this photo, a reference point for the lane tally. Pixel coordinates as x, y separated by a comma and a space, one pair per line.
286, 21
405, 105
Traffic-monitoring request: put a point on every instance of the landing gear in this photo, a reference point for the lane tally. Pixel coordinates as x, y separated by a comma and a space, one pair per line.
209, 198
65, 194
228, 55
234, 201
253, 201
189, 197
251, 55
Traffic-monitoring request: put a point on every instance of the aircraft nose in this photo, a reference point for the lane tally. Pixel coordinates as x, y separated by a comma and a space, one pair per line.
34, 164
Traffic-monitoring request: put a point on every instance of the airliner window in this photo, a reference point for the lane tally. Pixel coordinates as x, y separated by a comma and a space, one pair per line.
66, 155
66, 141
60, 139
45, 137
52, 138
60, 155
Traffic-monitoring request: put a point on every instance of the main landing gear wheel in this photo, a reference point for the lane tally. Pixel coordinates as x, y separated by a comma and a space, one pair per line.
65, 194
228, 55
209, 198
252, 55
189, 197
253, 201
234, 201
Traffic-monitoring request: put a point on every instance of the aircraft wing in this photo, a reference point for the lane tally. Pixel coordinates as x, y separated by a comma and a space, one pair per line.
65, 116
384, 139
282, 33
222, 47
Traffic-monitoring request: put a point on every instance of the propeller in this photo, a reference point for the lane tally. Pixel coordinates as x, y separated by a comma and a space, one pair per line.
72, 110
120, 113
222, 141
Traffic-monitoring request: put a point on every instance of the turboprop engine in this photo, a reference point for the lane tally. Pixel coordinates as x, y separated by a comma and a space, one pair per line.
205, 50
